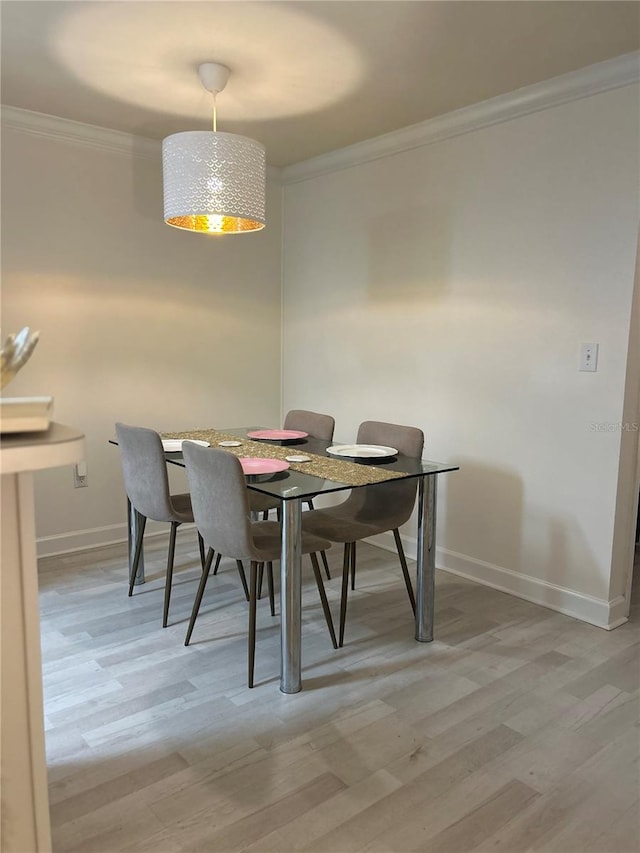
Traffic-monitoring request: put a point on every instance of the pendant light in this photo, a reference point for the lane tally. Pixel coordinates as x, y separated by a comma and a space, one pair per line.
214, 183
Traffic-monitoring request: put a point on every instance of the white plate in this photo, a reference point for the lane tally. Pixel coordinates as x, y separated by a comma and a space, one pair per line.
229, 443
174, 445
362, 451
298, 458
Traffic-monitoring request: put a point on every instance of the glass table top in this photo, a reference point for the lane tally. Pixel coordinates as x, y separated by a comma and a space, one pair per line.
291, 485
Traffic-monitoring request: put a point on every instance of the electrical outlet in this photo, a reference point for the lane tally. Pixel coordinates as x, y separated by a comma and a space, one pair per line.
589, 357
80, 480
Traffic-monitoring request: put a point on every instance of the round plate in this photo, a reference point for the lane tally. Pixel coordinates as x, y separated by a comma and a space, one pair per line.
229, 443
174, 445
298, 458
277, 434
362, 451
260, 465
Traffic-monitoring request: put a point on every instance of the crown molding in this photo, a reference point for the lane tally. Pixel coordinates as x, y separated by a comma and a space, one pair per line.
601, 77
89, 135
79, 133
611, 74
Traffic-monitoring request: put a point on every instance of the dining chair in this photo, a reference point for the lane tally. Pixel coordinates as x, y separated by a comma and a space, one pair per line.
318, 426
146, 482
221, 509
371, 510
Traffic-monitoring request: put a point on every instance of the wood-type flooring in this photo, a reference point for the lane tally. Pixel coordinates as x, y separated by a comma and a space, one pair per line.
515, 730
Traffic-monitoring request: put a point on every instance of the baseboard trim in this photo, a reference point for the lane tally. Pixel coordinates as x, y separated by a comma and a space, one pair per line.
97, 537
595, 611
618, 612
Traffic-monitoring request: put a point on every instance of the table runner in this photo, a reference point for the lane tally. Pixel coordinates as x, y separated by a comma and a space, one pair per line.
336, 470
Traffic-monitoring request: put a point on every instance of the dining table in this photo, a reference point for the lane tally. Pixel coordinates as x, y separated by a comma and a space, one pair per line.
315, 468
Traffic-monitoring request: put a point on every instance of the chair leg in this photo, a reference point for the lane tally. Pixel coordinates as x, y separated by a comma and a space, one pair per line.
243, 578
353, 565
405, 570
345, 590
323, 554
201, 548
169, 579
260, 576
252, 621
215, 568
136, 556
346, 554
209, 551
199, 594
323, 599
270, 585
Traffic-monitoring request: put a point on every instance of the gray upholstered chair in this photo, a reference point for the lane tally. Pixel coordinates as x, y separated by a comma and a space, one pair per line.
317, 425
146, 482
221, 508
262, 504
372, 509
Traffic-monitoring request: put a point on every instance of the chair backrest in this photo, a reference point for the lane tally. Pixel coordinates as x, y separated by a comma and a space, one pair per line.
144, 470
391, 503
317, 425
220, 500
409, 441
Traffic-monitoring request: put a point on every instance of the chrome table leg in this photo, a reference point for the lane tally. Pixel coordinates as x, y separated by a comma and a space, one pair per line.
291, 597
426, 558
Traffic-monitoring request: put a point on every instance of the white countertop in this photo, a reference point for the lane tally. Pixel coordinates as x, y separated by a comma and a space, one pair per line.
33, 451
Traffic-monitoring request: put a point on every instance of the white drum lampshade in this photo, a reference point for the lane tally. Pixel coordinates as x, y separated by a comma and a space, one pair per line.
214, 183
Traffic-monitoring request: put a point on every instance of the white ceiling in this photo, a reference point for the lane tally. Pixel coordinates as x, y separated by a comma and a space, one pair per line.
307, 77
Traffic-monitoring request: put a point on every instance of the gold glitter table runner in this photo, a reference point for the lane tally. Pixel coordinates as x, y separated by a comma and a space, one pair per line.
325, 467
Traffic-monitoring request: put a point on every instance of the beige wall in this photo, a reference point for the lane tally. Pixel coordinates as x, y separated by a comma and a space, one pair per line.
450, 287
139, 322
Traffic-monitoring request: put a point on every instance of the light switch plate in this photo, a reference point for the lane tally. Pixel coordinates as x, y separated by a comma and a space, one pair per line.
589, 358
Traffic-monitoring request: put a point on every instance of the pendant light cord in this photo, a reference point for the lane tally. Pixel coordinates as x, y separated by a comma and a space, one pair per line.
215, 115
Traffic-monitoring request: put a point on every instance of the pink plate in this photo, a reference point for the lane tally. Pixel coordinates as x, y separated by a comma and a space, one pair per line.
277, 434
260, 465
